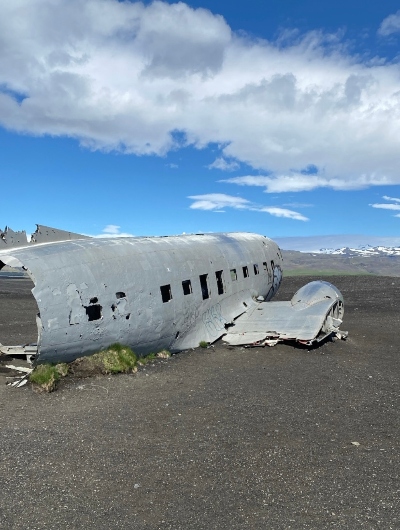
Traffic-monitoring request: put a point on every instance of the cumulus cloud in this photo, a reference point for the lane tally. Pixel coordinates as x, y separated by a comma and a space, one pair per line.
216, 201
390, 24
146, 79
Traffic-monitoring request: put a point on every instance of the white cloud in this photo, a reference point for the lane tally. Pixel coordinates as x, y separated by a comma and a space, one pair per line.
216, 201
385, 206
224, 165
129, 76
390, 24
394, 205
113, 231
303, 182
298, 205
394, 199
283, 212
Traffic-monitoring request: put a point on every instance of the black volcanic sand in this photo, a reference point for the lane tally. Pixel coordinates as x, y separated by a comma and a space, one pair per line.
223, 438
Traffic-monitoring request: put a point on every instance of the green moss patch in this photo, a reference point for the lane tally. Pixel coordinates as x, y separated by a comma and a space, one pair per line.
113, 360
45, 376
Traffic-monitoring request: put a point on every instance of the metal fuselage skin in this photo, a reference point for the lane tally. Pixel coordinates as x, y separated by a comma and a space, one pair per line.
149, 293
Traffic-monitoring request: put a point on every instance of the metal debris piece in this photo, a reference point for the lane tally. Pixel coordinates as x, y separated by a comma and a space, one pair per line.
43, 234
313, 314
19, 382
19, 368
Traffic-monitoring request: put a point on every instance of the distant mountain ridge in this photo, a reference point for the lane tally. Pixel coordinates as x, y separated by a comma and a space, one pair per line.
382, 261
366, 251
325, 243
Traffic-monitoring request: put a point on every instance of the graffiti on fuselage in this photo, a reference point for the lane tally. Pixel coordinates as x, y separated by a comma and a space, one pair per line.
213, 320
191, 314
276, 273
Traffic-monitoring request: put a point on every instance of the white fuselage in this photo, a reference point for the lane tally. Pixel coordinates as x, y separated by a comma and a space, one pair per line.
149, 293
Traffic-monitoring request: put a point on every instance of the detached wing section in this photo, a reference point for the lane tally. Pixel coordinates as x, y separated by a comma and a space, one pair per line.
314, 312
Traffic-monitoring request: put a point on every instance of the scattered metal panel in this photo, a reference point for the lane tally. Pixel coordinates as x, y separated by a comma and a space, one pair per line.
46, 234
27, 350
10, 238
19, 368
314, 313
43, 234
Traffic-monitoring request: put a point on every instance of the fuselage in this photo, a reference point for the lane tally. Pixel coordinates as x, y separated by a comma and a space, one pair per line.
149, 293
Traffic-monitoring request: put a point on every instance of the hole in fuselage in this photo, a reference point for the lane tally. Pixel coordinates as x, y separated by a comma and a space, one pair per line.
18, 308
93, 312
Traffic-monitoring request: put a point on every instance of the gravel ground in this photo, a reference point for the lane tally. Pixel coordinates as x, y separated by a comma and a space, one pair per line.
223, 438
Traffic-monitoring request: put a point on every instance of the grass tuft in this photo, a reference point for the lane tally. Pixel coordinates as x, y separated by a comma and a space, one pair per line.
203, 344
147, 359
113, 360
45, 376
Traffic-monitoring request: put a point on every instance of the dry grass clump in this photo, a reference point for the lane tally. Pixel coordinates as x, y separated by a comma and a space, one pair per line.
163, 354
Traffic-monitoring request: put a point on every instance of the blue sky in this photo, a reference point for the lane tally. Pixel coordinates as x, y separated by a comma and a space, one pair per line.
277, 117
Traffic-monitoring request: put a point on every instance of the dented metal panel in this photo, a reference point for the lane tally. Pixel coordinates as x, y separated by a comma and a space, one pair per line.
93, 292
164, 292
314, 312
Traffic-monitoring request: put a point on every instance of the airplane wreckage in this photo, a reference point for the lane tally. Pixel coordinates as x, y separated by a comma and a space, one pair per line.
154, 293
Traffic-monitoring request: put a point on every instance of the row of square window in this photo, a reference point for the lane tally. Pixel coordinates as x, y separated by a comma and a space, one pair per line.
166, 293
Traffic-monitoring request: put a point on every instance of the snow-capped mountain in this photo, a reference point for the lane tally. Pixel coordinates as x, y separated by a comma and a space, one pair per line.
337, 243
366, 251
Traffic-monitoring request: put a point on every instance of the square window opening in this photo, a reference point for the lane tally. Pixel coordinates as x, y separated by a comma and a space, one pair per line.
220, 281
245, 271
187, 287
166, 293
204, 286
233, 275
